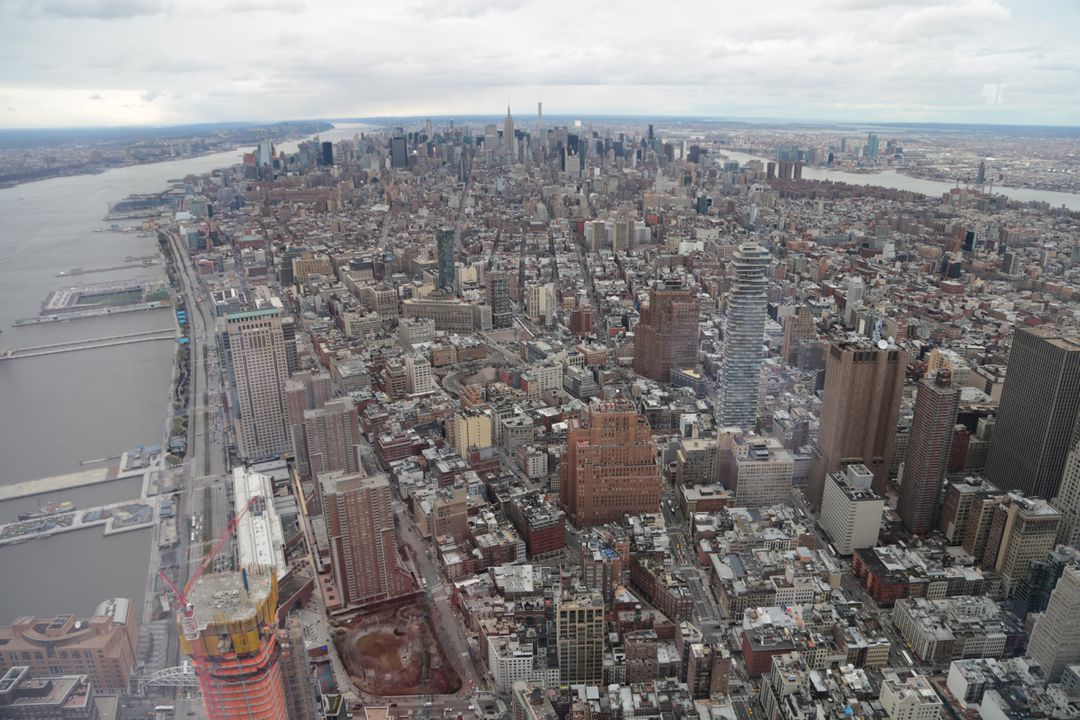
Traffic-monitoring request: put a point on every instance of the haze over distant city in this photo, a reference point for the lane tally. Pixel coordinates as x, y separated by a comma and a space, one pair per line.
130, 62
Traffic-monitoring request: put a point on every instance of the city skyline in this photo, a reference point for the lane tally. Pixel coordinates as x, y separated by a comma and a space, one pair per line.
651, 419
96, 64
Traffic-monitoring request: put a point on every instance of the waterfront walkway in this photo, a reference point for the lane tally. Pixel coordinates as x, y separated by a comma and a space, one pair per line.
92, 343
44, 486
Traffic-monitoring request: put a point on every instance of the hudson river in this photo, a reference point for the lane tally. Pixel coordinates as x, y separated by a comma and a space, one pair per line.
58, 410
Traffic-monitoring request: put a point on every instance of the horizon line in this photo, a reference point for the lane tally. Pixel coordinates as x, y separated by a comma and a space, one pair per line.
749, 119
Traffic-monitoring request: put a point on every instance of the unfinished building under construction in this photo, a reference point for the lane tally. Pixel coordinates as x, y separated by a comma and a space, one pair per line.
228, 631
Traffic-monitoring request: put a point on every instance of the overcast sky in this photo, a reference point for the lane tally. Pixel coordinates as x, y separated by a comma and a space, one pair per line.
121, 62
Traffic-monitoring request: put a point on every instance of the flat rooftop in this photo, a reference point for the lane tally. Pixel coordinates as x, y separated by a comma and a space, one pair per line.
222, 597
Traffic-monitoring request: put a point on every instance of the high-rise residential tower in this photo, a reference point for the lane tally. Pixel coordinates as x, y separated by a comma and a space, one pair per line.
580, 636
1055, 639
607, 469
744, 333
257, 349
928, 451
331, 437
303, 391
1037, 413
360, 530
444, 246
541, 137
864, 386
666, 337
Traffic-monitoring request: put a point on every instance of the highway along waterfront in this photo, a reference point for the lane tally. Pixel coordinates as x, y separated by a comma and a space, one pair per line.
60, 409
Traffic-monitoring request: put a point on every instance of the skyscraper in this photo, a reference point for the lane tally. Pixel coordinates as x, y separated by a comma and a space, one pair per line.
331, 437
744, 333
360, 530
444, 245
498, 297
257, 348
508, 135
541, 136
303, 391
864, 386
928, 451
580, 636
1022, 530
666, 337
1055, 639
872, 146
607, 469
1035, 420
1067, 500
399, 156
231, 640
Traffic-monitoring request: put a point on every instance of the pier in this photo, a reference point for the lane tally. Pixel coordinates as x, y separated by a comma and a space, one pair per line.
75, 345
87, 271
115, 517
92, 312
44, 486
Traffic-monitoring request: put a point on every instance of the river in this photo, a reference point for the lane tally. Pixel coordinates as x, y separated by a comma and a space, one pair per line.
58, 410
892, 179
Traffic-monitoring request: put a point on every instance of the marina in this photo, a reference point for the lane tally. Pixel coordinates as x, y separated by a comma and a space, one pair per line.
116, 518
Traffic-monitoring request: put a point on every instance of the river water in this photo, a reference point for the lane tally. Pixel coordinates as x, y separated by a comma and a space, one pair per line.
934, 188
57, 410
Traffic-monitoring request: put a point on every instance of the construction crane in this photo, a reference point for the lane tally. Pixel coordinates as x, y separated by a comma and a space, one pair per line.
186, 611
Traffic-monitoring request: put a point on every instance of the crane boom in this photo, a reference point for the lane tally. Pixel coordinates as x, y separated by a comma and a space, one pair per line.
225, 536
181, 595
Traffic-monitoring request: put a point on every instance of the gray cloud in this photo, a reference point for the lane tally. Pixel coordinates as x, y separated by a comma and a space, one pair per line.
203, 60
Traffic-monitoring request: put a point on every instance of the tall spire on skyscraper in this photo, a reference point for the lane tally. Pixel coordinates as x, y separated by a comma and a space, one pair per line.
508, 134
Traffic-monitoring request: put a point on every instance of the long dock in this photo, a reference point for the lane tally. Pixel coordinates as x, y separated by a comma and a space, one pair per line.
44, 486
76, 345
92, 312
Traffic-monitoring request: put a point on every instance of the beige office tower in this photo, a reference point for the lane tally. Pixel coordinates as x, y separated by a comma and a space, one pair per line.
864, 386
360, 531
1055, 639
580, 644
1068, 495
1022, 530
257, 347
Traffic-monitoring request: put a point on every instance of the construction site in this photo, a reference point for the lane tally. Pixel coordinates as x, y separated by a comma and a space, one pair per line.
395, 652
